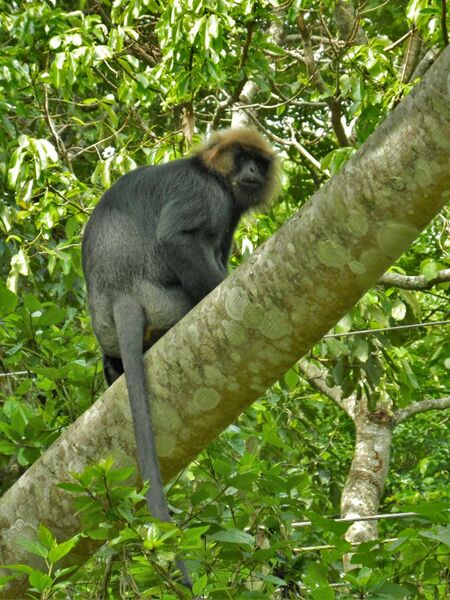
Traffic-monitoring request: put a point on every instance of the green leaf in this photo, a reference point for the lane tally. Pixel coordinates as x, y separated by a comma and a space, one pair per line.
291, 379
34, 547
441, 534
8, 300
41, 581
52, 316
199, 585
233, 536
45, 151
336, 159
316, 575
60, 550
398, 310
391, 591
116, 475
430, 270
46, 537
271, 579
195, 29
7, 448
362, 350
19, 568
32, 303
213, 26
102, 53
194, 535
19, 263
15, 166
345, 324
327, 524
72, 487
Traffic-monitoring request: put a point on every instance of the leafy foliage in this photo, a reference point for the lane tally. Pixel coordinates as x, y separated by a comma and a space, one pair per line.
89, 90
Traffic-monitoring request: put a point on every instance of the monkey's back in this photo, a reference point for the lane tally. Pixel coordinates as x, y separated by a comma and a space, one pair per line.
120, 237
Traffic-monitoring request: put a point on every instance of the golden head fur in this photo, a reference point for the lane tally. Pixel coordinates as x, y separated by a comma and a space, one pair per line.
218, 155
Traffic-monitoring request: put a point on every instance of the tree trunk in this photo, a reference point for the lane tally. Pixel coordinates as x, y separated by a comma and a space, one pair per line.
267, 314
367, 476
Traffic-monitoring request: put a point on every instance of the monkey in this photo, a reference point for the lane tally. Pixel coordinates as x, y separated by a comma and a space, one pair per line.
156, 244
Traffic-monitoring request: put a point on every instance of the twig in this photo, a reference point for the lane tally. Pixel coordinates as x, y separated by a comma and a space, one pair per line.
332, 547
16, 374
399, 41
102, 141
384, 329
58, 141
313, 71
404, 515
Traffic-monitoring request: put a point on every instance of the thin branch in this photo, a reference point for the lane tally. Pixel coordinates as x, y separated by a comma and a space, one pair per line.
294, 144
317, 378
134, 46
420, 407
58, 141
425, 63
136, 49
98, 144
374, 8
333, 547
248, 41
236, 95
16, 374
412, 56
384, 329
403, 515
415, 282
399, 41
313, 71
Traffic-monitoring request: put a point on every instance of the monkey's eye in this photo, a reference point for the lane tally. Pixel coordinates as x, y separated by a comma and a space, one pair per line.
262, 164
240, 158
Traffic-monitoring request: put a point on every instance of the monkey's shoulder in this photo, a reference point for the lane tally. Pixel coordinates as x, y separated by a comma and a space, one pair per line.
186, 176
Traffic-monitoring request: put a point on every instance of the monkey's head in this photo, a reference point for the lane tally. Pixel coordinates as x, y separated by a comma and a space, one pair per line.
246, 161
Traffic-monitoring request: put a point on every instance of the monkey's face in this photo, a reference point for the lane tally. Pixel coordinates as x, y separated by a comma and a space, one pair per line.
249, 177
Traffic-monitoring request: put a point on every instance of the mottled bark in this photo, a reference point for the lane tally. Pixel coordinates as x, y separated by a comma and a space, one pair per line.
367, 476
412, 56
267, 314
365, 482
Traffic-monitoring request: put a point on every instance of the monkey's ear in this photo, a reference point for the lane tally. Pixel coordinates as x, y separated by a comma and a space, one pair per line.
219, 159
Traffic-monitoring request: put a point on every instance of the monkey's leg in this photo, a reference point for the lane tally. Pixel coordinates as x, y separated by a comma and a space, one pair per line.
112, 368
130, 321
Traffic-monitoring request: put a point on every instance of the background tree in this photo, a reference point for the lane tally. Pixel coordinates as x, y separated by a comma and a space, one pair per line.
87, 92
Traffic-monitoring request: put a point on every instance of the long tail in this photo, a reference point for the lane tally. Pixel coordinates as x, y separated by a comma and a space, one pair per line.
129, 319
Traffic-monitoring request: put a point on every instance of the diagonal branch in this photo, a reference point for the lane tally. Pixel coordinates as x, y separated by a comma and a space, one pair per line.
413, 282
420, 407
317, 378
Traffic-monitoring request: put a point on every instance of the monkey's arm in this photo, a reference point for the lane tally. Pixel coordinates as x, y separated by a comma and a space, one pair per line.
188, 247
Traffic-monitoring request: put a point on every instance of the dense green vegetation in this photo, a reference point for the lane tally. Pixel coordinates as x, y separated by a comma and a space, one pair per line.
88, 90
